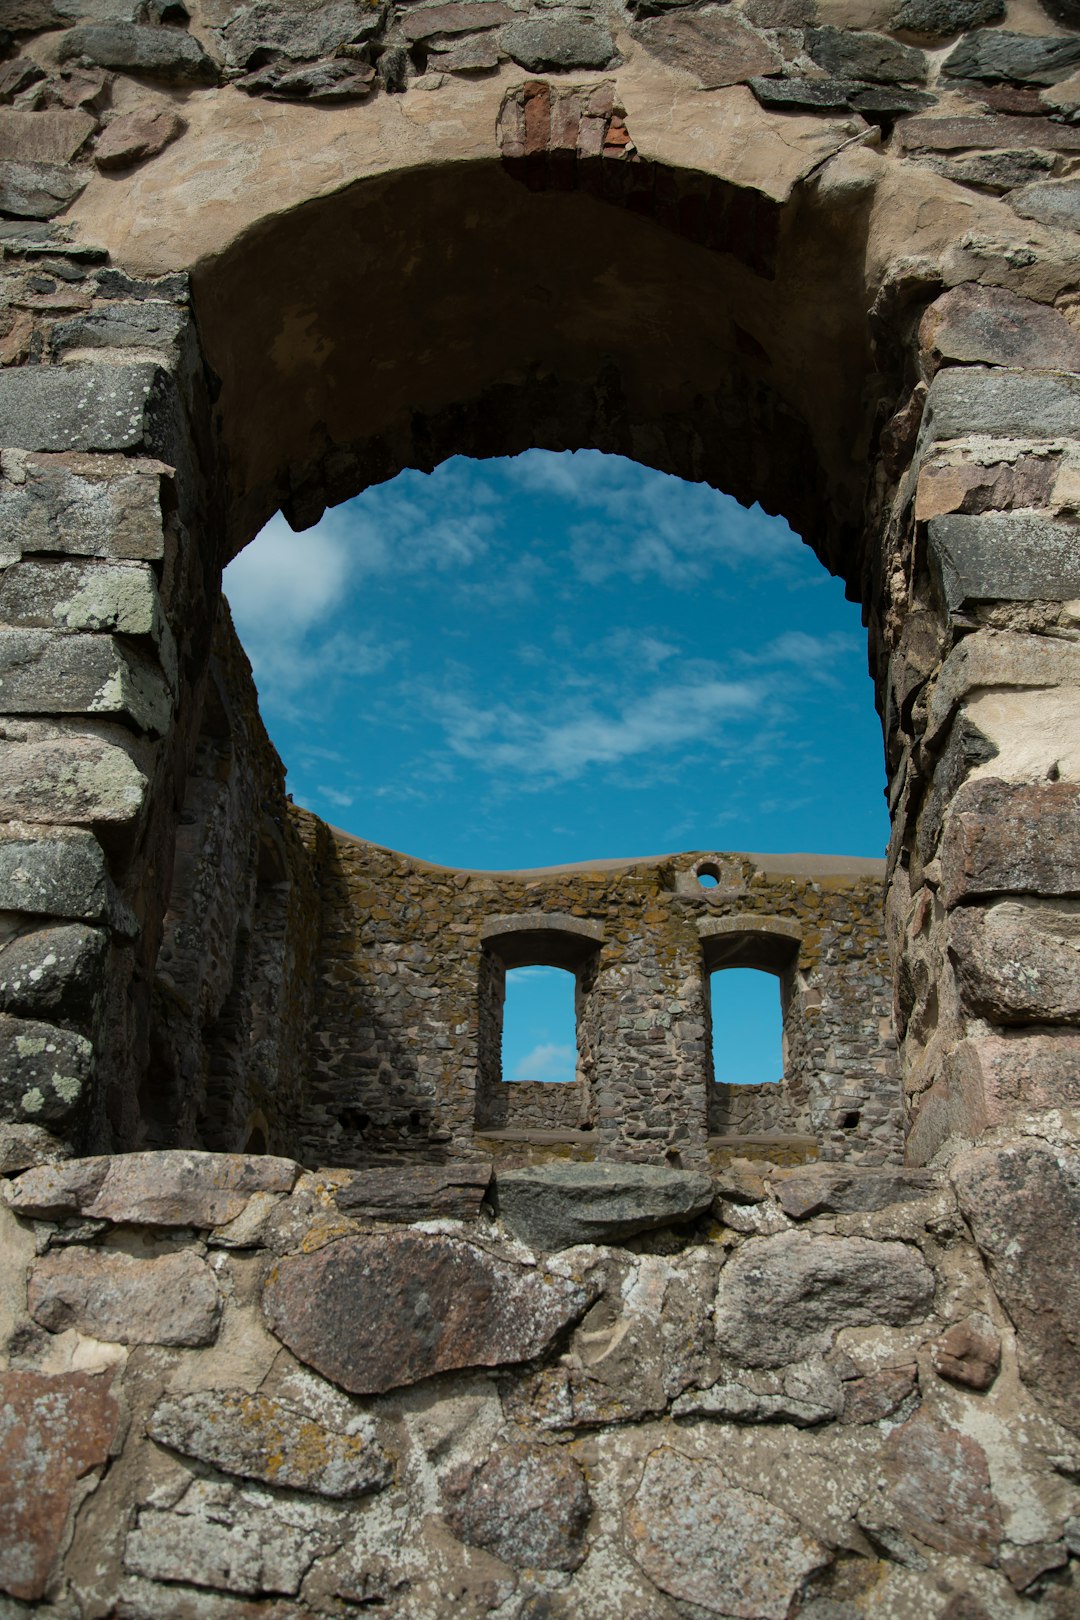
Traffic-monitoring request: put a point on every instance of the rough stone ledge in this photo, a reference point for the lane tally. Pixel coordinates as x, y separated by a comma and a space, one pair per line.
168, 1187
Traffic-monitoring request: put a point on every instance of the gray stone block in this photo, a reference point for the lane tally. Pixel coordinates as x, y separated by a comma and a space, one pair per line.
53, 972
159, 53
1051, 202
119, 596
257, 32
150, 324
69, 780
849, 53
552, 1206
1011, 838
1004, 557
85, 407
38, 190
1004, 404
44, 1072
558, 39
84, 505
938, 18
58, 872
44, 673
993, 55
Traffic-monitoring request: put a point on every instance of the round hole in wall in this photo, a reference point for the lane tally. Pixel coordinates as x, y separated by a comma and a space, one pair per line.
707, 874
848, 1122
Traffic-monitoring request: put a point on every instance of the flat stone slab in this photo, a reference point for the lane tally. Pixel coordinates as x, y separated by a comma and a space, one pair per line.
257, 1437
553, 1206
83, 407
817, 1189
416, 1192
377, 1313
1004, 557
170, 1187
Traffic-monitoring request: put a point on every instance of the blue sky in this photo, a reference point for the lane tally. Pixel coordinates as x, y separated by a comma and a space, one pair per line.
556, 657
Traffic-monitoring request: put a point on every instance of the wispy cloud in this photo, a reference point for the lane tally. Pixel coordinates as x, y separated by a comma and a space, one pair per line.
547, 1062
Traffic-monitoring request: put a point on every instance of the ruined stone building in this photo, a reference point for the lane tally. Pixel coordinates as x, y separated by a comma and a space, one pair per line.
305, 1311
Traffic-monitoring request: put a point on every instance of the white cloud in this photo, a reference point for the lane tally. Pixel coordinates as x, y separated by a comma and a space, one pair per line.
547, 1062
283, 583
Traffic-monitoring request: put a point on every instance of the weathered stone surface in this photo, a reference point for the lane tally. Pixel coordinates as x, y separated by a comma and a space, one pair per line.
994, 54
377, 1313
558, 39
814, 1189
1005, 404
553, 1206
878, 1395
1051, 202
22, 1146
53, 1431
953, 134
1000, 658
991, 324
783, 1297
454, 17
37, 190
707, 1542
133, 137
301, 34
939, 1487
1023, 1206
42, 673
849, 54
821, 95
527, 1504
996, 171
148, 324
84, 407
170, 1187
59, 872
82, 505
70, 778
1017, 964
171, 1300
52, 136
968, 1352
936, 19
1006, 837
81, 596
247, 1541
331, 80
736, 1403
44, 1071
475, 53
53, 972
257, 1437
415, 1192
1024, 1566
1004, 556
158, 53
714, 43
957, 485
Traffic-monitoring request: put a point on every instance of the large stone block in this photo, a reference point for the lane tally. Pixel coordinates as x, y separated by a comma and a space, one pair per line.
50, 135
456, 17
415, 1192
1004, 556
58, 872
1022, 1203
149, 324
109, 1295
784, 1297
993, 1080
257, 1437
1017, 964
44, 673
529, 1505
707, 1542
86, 407
850, 53
1051, 202
38, 190
377, 1313
714, 44
965, 400
158, 53
817, 1189
70, 780
53, 972
999, 658
44, 1072
119, 596
55, 1429
939, 1489
970, 324
558, 39
255, 32
83, 505
552, 1206
169, 1187
995, 55
1010, 838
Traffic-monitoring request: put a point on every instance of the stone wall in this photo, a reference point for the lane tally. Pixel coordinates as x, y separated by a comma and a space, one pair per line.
234, 1388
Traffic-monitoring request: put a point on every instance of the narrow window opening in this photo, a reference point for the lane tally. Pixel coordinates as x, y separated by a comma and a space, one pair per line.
539, 1041
747, 1027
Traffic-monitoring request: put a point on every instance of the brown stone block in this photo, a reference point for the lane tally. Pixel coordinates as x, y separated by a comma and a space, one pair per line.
171, 1187
43, 137
1017, 964
135, 136
1009, 838
955, 134
878, 1395
172, 1300
989, 1080
53, 1431
992, 325
529, 1505
939, 1486
968, 1353
415, 1192
1022, 1203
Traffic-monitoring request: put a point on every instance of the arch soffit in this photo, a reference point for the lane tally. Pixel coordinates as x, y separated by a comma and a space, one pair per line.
770, 944
542, 939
